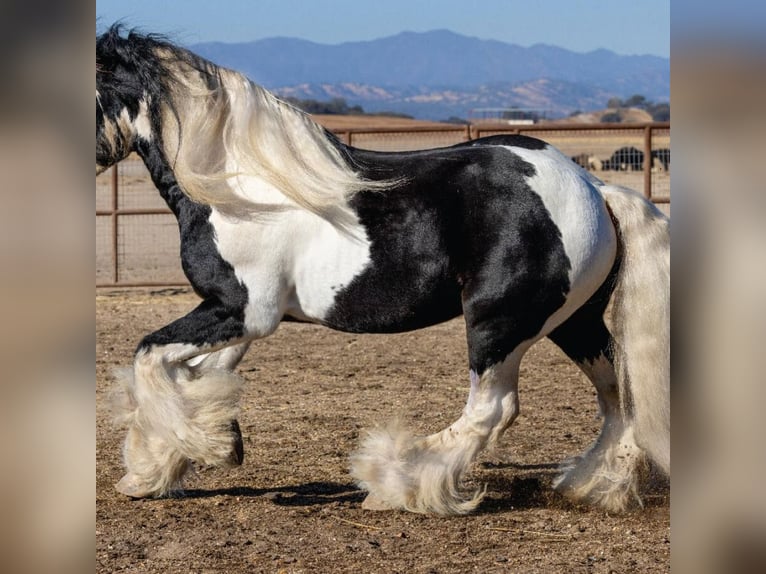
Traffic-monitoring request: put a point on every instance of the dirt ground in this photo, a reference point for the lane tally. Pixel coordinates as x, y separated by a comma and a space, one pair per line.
292, 506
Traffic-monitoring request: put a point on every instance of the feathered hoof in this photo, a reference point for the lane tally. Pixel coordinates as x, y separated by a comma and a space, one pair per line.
133, 486
402, 472
373, 502
615, 492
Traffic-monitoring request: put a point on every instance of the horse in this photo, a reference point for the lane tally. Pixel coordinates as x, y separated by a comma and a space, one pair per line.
661, 159
625, 159
279, 220
588, 161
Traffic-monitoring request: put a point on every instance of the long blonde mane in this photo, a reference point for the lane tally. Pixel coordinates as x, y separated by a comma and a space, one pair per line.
222, 119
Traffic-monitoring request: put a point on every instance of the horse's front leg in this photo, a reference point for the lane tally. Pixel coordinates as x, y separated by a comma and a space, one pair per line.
225, 359
179, 401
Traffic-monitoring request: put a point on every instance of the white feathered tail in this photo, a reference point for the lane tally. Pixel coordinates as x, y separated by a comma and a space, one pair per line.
641, 320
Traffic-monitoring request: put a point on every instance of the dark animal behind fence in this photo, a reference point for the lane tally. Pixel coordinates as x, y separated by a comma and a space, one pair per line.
625, 159
582, 160
663, 156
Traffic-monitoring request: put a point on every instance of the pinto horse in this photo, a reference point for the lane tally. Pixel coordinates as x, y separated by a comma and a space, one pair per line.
279, 220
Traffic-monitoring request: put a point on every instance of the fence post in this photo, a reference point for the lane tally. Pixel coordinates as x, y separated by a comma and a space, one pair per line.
648, 162
115, 234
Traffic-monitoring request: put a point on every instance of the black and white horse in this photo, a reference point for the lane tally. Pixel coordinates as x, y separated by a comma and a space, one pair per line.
279, 220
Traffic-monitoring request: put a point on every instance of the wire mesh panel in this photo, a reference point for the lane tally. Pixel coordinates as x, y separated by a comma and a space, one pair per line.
597, 145
407, 141
104, 257
615, 154
148, 249
137, 190
660, 171
104, 190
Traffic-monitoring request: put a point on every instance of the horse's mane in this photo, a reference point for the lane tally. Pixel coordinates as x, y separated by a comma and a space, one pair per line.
213, 118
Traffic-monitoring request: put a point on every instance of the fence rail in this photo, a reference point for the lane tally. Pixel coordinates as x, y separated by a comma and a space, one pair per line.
137, 238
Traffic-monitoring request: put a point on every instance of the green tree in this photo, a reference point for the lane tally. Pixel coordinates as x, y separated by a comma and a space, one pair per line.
614, 103
659, 112
635, 101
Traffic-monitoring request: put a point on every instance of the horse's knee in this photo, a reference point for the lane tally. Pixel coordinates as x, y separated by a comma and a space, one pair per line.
226, 359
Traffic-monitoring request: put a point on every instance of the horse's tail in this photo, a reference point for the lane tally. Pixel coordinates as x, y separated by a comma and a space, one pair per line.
641, 320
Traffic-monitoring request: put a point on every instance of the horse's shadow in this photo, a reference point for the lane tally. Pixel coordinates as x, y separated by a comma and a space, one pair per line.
309, 494
530, 486
505, 490
516, 487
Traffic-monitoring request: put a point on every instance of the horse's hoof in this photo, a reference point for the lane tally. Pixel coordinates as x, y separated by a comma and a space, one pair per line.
238, 452
129, 485
372, 502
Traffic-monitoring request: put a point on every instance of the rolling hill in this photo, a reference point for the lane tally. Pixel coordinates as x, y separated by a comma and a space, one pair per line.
437, 74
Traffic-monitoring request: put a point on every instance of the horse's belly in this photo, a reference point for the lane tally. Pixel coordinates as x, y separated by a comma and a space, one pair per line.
393, 303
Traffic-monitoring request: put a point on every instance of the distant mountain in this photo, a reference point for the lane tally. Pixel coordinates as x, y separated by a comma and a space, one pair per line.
431, 74
555, 97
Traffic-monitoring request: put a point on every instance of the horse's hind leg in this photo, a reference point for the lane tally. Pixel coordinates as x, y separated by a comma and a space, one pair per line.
607, 473
180, 401
423, 474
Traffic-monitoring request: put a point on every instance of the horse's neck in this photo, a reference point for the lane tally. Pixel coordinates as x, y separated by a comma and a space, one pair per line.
162, 175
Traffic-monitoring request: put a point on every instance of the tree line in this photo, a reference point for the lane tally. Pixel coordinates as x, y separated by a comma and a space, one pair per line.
336, 106
660, 112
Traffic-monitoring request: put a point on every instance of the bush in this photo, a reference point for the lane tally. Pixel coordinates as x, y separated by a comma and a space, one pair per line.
660, 112
337, 106
611, 118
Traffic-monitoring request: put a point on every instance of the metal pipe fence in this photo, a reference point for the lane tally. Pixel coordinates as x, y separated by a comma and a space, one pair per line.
137, 242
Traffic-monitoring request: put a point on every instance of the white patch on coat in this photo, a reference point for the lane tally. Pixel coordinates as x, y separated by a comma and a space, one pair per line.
138, 126
128, 128
571, 196
292, 262
142, 124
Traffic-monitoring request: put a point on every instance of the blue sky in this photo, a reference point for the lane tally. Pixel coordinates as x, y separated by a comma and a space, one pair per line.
623, 26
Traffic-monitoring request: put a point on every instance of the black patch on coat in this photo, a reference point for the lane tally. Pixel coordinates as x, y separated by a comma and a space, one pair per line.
464, 233
221, 315
515, 140
584, 336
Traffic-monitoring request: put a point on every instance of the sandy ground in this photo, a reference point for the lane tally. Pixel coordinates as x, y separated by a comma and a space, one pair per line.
292, 507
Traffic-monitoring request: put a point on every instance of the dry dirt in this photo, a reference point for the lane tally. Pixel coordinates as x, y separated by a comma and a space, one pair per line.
292, 507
